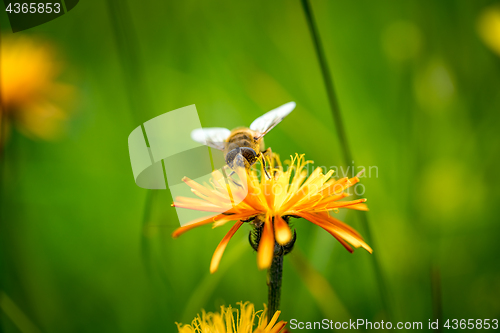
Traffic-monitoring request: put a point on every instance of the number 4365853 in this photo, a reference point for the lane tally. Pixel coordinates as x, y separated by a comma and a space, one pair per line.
33, 8
476, 324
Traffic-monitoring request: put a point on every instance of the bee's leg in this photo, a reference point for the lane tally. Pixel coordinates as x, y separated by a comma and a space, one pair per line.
232, 180
268, 152
238, 162
236, 183
264, 165
225, 171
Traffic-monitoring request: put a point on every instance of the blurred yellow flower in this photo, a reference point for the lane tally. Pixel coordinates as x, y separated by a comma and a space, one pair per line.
489, 28
30, 96
226, 321
269, 202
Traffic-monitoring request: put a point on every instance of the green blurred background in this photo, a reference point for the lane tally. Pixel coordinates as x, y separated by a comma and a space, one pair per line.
83, 249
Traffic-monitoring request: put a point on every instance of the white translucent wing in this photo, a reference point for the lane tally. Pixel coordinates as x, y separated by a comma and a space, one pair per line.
214, 137
266, 122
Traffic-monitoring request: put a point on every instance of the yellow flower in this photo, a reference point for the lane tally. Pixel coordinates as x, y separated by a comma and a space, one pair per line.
489, 27
30, 97
270, 201
225, 321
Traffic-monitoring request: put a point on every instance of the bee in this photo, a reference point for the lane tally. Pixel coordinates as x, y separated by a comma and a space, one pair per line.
243, 146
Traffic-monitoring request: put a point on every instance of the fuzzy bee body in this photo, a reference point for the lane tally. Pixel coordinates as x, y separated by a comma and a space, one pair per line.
243, 137
244, 142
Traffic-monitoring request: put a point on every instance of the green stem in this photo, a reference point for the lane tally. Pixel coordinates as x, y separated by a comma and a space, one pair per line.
339, 126
328, 80
127, 44
144, 241
275, 275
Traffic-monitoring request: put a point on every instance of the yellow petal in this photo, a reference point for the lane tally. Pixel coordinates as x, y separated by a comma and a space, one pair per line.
265, 251
343, 204
273, 320
197, 204
195, 186
279, 326
197, 223
326, 216
222, 246
335, 231
343, 242
282, 230
360, 206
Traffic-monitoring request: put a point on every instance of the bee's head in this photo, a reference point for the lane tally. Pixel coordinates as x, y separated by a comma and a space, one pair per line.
242, 156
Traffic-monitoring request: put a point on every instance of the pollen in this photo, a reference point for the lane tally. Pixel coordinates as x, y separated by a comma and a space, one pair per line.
289, 192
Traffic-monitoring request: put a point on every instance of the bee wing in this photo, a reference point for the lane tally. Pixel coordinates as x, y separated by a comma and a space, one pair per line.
267, 121
214, 137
